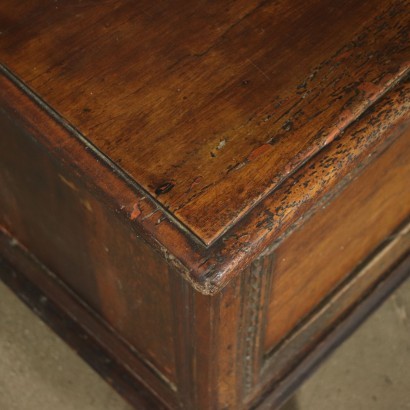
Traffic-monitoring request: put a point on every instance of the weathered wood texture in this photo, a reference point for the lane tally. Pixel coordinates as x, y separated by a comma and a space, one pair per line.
195, 101
208, 268
205, 193
86, 245
67, 315
338, 238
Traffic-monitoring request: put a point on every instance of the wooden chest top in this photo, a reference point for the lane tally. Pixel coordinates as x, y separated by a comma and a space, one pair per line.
205, 108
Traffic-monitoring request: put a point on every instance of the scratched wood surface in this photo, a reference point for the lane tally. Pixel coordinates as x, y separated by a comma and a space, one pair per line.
348, 230
163, 165
208, 106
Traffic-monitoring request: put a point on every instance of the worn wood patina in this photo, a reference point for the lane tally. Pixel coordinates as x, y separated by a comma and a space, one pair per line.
204, 198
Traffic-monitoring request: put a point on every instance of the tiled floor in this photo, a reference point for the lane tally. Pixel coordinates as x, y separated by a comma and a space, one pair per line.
370, 371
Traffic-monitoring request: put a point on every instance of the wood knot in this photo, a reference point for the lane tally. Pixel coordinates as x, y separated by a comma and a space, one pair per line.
164, 188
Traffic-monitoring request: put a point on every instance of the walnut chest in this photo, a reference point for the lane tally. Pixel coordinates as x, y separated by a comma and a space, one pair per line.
204, 198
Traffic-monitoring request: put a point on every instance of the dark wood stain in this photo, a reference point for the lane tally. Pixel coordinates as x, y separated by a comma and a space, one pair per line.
69, 230
160, 105
177, 179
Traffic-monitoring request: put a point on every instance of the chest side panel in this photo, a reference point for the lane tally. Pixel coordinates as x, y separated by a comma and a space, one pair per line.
318, 256
47, 206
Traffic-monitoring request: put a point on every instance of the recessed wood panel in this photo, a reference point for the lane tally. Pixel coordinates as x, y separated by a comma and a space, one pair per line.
47, 207
337, 238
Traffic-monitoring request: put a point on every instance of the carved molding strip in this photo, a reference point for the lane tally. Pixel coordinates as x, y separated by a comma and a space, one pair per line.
256, 285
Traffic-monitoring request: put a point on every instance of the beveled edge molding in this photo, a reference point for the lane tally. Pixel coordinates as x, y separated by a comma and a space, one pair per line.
110, 164
209, 268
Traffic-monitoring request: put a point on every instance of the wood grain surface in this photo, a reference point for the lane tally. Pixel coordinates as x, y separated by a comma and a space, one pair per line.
179, 180
210, 268
207, 106
95, 253
337, 239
